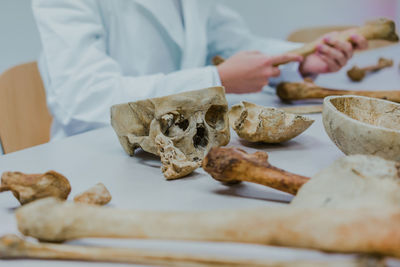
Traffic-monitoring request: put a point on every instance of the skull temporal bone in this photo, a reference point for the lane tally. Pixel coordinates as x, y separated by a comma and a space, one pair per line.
194, 121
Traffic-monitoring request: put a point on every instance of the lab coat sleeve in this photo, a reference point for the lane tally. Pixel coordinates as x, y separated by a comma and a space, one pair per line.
228, 34
83, 80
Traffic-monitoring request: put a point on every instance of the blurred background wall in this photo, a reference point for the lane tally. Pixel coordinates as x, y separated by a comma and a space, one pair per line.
19, 41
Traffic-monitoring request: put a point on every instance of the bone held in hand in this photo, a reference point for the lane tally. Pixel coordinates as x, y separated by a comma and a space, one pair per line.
308, 90
232, 165
380, 29
361, 230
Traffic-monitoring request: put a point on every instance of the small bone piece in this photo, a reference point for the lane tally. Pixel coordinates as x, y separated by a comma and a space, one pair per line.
233, 165
357, 74
193, 121
97, 195
361, 230
174, 163
308, 90
13, 247
380, 29
303, 109
29, 187
256, 123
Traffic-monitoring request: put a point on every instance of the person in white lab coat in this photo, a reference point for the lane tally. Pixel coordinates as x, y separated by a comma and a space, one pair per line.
97, 53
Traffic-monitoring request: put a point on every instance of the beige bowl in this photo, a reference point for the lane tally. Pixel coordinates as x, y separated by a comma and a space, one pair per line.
363, 125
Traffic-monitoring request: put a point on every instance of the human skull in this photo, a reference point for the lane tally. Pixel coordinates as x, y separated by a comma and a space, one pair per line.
192, 122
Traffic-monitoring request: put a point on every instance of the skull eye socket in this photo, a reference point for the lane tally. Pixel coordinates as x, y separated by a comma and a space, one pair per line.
215, 116
173, 124
200, 139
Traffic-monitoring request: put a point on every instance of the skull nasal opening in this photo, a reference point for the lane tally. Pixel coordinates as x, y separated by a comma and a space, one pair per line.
200, 138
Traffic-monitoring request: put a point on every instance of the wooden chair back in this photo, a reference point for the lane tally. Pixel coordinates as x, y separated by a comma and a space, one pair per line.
24, 118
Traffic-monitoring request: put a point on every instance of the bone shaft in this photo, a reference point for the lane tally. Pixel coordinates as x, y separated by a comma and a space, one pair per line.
287, 226
152, 257
271, 177
129, 255
324, 92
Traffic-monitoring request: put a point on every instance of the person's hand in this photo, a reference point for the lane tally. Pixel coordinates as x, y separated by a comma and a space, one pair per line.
332, 54
249, 71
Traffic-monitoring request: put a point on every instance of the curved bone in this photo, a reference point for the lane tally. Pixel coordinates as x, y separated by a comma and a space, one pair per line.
380, 29
308, 90
256, 123
29, 187
233, 165
96, 195
361, 230
357, 74
13, 247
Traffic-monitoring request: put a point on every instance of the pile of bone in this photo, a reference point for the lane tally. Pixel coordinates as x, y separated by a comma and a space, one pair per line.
350, 207
182, 128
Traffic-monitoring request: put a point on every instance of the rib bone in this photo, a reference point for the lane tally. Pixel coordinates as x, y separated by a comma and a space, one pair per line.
308, 90
13, 247
361, 230
357, 74
380, 29
233, 165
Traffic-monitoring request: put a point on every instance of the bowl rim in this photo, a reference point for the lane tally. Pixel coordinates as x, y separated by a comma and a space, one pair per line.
328, 103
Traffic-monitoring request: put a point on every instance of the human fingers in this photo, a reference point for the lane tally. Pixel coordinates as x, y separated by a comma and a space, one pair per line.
344, 46
359, 41
284, 58
332, 53
331, 64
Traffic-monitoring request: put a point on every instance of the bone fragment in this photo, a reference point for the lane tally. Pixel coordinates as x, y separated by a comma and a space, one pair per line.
13, 247
353, 182
256, 123
96, 195
379, 29
361, 230
29, 187
309, 90
174, 163
303, 109
233, 165
357, 74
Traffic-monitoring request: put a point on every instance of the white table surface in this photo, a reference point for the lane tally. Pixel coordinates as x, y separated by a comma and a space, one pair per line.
137, 182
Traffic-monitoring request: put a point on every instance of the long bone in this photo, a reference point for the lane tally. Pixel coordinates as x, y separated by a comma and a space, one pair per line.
361, 230
353, 181
357, 74
233, 165
308, 90
13, 247
380, 29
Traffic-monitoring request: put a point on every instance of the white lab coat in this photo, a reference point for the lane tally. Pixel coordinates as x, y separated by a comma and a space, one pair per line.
97, 53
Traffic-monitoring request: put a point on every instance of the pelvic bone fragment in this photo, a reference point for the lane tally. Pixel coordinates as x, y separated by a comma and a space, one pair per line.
361, 230
308, 90
256, 123
13, 247
97, 195
357, 74
29, 187
193, 121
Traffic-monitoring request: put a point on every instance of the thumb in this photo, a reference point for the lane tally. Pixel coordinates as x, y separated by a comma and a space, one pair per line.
285, 58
